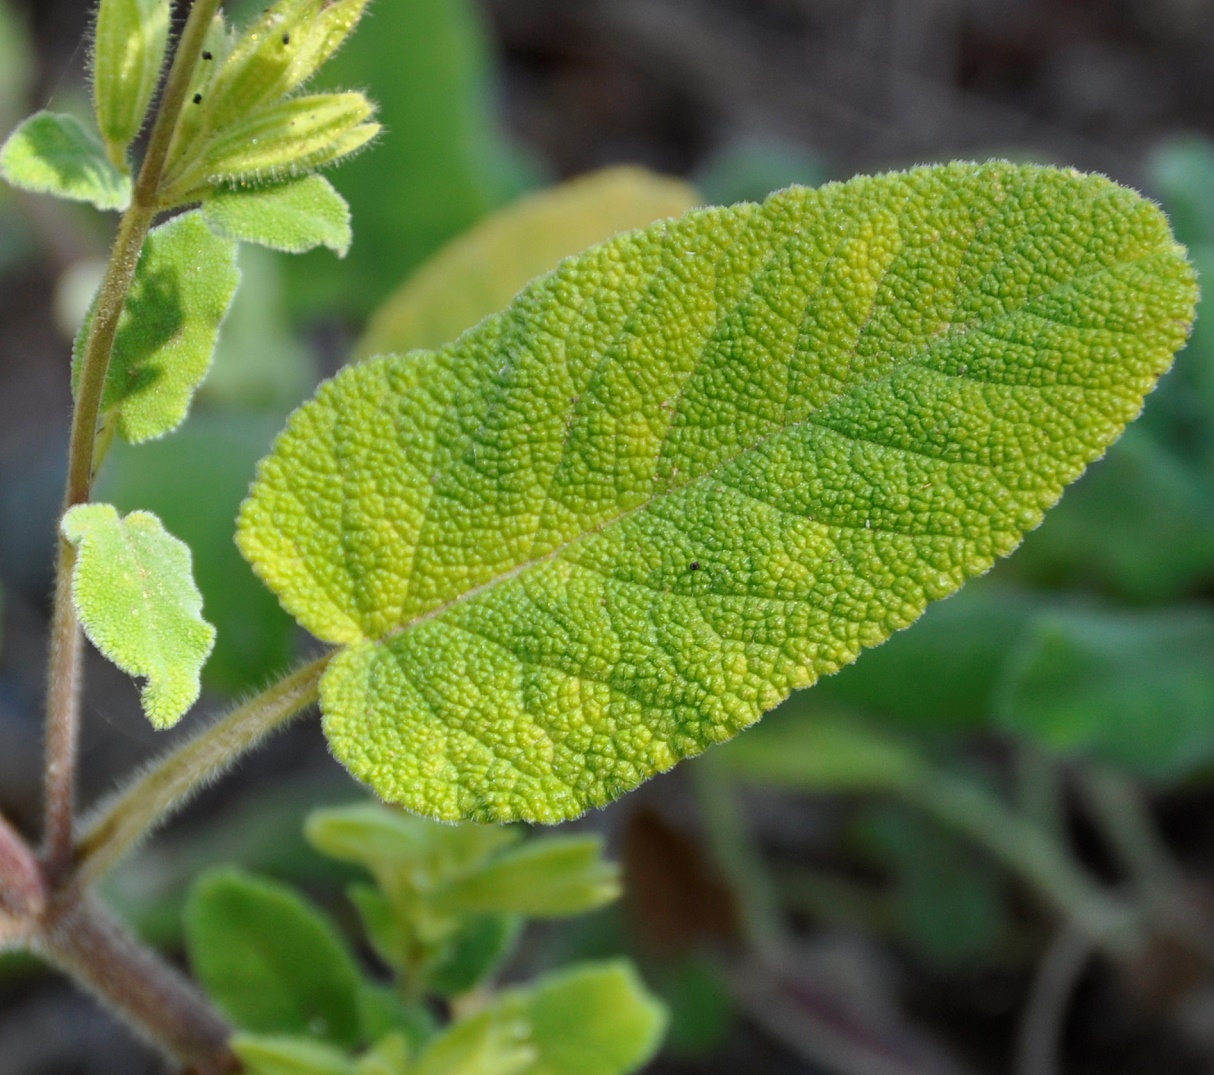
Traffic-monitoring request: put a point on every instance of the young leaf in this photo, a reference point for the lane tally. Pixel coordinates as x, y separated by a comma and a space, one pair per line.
700, 466
593, 1020
1133, 689
129, 46
265, 1054
55, 154
481, 271
292, 217
491, 1042
270, 961
473, 953
135, 594
183, 287
546, 878
390, 1056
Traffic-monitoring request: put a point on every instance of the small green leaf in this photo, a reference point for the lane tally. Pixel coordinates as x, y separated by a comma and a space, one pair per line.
383, 1013
545, 878
270, 961
194, 482
386, 931
1134, 689
167, 333
265, 1054
596, 1019
491, 1042
700, 466
473, 953
479, 273
129, 45
292, 217
55, 154
135, 594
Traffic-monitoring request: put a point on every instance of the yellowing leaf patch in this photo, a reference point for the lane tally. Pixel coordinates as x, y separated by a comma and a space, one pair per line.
700, 466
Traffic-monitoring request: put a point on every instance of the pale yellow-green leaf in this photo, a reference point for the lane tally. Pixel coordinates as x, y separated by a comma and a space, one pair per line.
481, 271
56, 154
134, 591
293, 217
700, 466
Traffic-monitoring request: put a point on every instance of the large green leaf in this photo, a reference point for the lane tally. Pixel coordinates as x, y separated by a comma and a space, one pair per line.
134, 591
700, 466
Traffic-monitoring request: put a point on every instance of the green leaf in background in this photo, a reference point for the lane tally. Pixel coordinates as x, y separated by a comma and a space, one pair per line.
440, 164
167, 333
1182, 173
545, 878
135, 594
750, 169
293, 217
824, 751
270, 961
1140, 525
479, 273
596, 1019
698, 467
55, 154
473, 954
494, 1041
942, 675
266, 1054
129, 43
383, 1013
194, 482
1133, 689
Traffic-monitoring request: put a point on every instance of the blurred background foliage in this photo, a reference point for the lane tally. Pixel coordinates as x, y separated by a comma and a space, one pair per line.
986, 847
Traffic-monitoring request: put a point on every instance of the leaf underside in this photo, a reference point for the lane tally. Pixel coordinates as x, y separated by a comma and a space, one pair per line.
56, 154
700, 466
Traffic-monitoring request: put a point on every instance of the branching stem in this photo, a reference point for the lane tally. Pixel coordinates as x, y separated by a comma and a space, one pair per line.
63, 695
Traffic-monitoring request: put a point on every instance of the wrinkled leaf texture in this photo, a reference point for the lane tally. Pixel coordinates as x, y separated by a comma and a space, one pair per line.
700, 466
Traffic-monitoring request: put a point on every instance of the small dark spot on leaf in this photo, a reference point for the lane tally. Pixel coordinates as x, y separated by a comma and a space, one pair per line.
695, 565
286, 39
198, 98
208, 56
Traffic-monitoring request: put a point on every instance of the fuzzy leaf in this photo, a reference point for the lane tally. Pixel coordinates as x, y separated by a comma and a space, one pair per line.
183, 287
270, 961
55, 154
128, 52
481, 271
292, 217
700, 466
135, 594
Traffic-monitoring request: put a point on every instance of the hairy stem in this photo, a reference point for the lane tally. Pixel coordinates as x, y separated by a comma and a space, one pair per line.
148, 993
63, 695
169, 782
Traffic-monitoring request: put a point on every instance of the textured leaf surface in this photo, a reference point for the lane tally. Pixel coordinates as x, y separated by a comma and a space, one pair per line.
292, 217
270, 961
55, 154
701, 466
135, 593
481, 271
183, 287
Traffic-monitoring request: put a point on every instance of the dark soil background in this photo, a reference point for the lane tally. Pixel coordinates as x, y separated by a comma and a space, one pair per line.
843, 85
